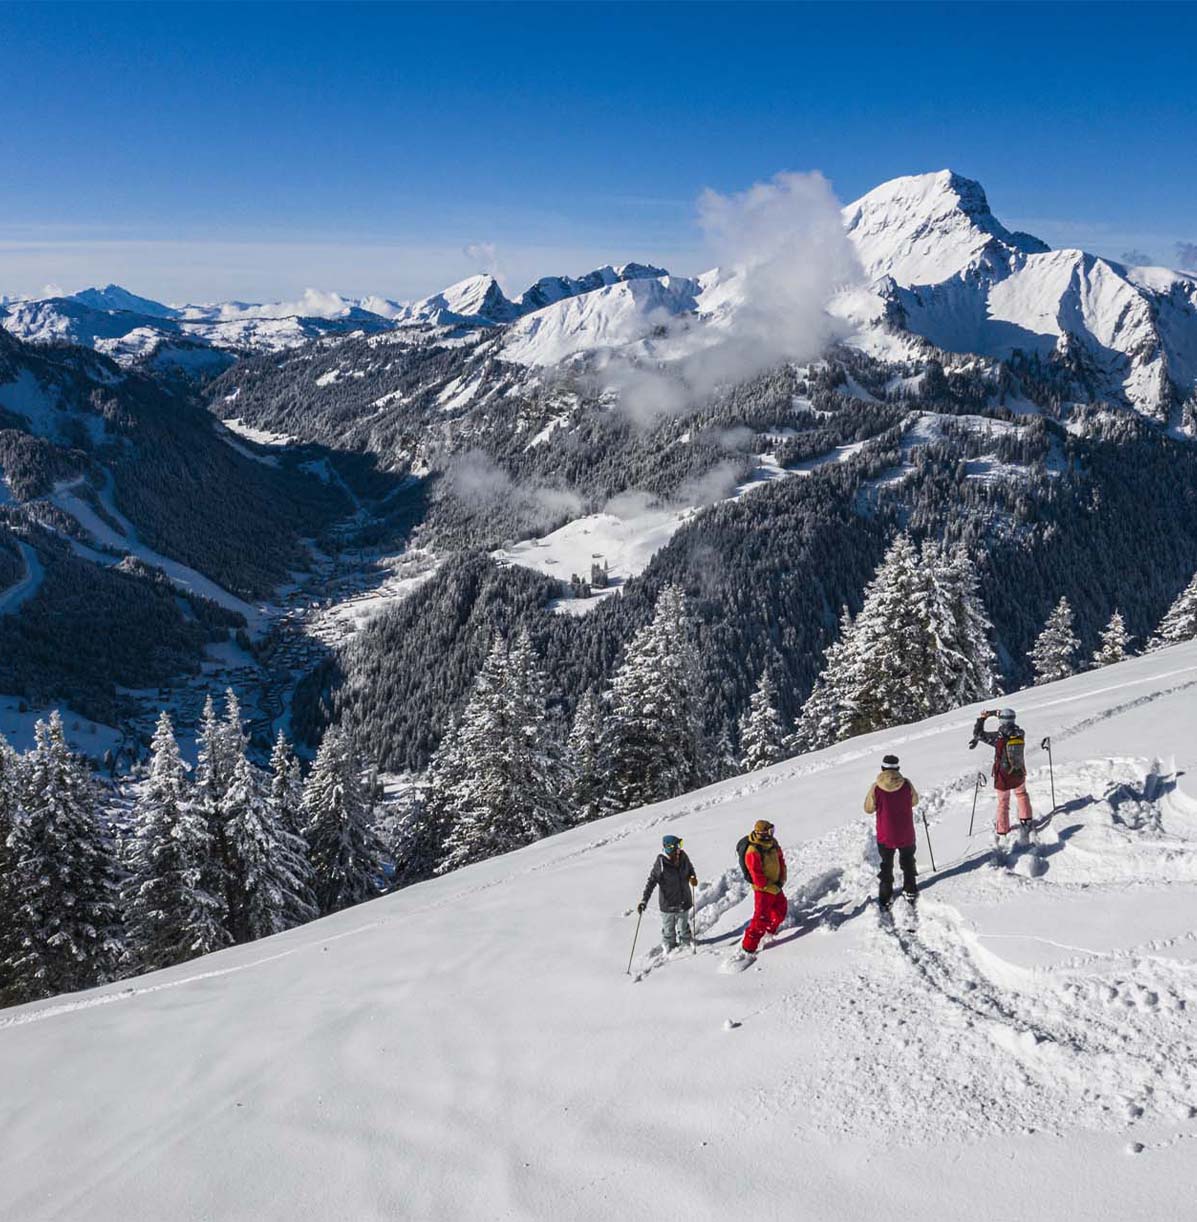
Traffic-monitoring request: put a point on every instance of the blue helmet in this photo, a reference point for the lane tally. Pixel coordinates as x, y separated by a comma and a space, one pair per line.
671, 844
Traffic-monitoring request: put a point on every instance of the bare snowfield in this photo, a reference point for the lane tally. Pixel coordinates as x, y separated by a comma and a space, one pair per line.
471, 1047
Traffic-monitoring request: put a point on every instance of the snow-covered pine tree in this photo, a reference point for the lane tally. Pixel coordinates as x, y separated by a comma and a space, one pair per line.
762, 736
885, 671
822, 720
895, 677
238, 814
12, 785
1054, 652
285, 803
510, 789
652, 743
919, 646
1180, 623
584, 762
213, 774
1115, 642
969, 657
169, 915
270, 870
437, 812
63, 875
345, 854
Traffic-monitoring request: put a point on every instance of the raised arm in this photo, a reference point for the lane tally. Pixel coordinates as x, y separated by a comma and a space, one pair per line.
981, 734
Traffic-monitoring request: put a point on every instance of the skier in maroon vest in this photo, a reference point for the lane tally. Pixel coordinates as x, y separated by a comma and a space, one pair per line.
892, 798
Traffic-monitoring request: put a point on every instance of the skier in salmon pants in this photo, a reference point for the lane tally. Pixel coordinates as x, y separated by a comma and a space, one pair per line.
892, 798
1009, 769
765, 865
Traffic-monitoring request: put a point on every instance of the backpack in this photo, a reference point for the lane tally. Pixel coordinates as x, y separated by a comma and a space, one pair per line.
1013, 755
741, 849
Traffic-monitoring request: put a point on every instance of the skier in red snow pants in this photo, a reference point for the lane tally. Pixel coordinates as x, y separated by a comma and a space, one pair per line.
766, 866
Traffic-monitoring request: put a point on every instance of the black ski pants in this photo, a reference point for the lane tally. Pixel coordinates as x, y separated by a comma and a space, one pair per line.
885, 875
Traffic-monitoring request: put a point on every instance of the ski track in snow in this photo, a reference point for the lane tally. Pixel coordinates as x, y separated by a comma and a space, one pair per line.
983, 1045
1102, 1038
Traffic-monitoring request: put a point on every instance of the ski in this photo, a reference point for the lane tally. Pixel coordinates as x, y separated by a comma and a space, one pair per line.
739, 961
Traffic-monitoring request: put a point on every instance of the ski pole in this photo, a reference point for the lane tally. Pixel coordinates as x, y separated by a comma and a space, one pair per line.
1051, 771
976, 790
639, 918
930, 850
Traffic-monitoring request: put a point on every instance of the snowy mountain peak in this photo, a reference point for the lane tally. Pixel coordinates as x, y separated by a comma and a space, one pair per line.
477, 299
113, 297
923, 228
944, 267
551, 289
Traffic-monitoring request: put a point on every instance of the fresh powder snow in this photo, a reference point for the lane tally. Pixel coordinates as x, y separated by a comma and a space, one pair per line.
471, 1046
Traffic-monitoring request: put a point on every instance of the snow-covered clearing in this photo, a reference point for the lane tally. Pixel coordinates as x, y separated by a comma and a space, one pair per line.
626, 541
632, 531
89, 737
262, 437
471, 1047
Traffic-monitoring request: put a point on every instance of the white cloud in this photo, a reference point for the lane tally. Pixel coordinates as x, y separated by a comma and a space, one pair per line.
782, 255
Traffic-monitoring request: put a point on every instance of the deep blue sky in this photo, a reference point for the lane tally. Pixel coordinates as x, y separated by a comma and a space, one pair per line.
250, 150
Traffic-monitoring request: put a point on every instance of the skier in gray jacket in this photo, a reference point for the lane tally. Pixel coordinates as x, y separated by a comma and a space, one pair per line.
673, 876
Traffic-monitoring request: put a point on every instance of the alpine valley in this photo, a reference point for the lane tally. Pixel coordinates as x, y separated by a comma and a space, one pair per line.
331, 505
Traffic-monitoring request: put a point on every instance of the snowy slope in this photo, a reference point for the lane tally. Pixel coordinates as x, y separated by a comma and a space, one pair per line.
115, 532
471, 1047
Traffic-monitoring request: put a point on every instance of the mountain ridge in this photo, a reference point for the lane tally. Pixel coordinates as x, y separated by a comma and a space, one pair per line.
939, 266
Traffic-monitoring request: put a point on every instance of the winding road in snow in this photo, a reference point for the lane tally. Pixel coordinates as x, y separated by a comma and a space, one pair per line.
26, 586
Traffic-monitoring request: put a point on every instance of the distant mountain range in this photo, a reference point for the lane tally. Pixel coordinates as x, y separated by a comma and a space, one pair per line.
936, 265
205, 339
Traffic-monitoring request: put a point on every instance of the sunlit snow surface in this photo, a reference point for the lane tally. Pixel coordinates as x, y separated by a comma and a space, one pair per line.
471, 1047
